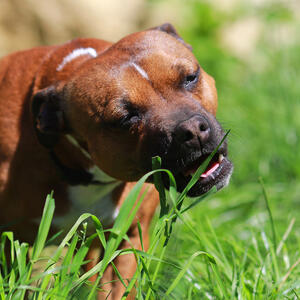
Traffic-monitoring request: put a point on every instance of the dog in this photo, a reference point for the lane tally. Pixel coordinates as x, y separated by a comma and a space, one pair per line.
85, 118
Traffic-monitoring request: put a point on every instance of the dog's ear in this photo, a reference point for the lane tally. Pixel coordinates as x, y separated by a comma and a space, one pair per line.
48, 116
169, 28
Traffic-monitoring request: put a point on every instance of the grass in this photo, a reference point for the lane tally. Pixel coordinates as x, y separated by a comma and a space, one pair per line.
262, 264
64, 280
240, 237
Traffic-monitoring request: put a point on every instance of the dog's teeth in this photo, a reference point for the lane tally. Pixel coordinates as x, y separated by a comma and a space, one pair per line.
221, 157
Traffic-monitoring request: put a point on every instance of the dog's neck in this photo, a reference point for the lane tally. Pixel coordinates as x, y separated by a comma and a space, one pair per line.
90, 189
80, 175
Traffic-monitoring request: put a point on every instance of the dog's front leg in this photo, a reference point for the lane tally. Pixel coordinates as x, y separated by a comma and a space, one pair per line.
126, 264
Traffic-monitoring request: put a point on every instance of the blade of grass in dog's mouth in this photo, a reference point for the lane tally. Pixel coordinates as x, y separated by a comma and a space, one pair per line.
202, 168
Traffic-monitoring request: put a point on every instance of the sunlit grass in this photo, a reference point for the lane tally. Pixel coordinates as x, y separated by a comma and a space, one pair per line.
201, 261
63, 280
238, 234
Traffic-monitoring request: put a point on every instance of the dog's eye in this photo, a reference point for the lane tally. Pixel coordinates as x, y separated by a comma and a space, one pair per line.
190, 80
129, 120
131, 114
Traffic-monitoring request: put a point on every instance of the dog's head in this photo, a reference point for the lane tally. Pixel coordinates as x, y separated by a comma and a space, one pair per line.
146, 95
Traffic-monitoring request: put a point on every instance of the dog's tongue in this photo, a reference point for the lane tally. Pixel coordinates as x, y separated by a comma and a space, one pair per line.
210, 169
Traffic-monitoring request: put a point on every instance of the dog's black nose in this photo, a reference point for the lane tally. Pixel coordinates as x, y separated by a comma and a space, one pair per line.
192, 132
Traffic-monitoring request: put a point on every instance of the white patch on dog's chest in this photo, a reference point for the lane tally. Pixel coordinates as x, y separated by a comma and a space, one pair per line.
94, 199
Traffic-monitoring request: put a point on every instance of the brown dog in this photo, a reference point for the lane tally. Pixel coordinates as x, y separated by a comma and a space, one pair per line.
85, 118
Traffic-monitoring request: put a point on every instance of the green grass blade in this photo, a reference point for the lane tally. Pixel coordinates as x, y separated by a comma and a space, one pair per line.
2, 292
12, 281
234, 281
45, 283
66, 264
220, 284
80, 255
53, 238
99, 230
285, 236
21, 255
295, 293
275, 264
44, 227
183, 271
156, 164
162, 253
130, 285
269, 212
119, 275
145, 269
67, 238
227, 267
3, 261
256, 283
140, 234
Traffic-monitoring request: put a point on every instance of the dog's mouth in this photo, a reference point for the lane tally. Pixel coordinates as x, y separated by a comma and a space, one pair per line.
217, 173
213, 165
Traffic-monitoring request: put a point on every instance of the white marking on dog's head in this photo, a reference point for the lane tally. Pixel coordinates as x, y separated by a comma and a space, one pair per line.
141, 71
76, 53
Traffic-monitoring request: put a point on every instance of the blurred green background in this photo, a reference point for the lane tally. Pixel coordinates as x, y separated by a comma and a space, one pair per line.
252, 48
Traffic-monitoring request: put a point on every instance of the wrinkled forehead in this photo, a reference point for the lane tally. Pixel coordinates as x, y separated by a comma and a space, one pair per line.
150, 40
152, 50
145, 68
